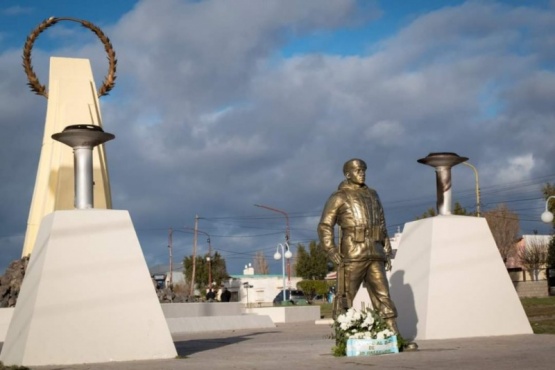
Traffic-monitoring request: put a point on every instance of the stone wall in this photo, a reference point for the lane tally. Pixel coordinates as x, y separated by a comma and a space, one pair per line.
531, 288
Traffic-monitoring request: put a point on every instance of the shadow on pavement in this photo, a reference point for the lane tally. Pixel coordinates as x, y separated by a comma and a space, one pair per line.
188, 347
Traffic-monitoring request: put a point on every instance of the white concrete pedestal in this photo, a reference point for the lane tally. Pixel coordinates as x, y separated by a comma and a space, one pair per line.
449, 281
87, 296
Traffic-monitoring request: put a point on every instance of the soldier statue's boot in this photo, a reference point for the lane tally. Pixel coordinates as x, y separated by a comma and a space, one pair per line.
392, 325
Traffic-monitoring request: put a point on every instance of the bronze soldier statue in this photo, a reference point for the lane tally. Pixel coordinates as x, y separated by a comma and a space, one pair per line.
364, 252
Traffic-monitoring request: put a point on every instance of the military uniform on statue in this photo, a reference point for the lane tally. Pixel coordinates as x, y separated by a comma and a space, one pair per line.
364, 252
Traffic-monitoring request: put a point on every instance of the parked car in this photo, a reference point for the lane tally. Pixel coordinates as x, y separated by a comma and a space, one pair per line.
319, 298
291, 297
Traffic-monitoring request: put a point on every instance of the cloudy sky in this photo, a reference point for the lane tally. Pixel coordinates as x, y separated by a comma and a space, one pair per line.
223, 104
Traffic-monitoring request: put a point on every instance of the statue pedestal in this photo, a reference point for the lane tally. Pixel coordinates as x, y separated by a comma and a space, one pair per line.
449, 281
87, 296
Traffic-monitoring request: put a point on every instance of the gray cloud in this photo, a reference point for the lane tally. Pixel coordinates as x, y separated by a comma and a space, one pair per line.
209, 118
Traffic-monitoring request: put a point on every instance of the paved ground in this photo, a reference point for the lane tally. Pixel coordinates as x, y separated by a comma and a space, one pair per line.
307, 346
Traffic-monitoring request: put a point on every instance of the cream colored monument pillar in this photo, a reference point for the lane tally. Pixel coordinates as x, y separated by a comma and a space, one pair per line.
72, 100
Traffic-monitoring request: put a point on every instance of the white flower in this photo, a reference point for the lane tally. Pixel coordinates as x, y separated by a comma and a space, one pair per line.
368, 322
361, 325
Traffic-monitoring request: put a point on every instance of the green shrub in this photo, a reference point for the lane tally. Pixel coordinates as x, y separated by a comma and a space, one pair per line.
312, 288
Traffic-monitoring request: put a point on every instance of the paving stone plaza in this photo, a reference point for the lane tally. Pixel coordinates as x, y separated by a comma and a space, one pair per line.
308, 346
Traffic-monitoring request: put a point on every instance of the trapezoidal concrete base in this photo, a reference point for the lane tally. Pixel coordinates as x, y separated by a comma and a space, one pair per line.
87, 296
449, 281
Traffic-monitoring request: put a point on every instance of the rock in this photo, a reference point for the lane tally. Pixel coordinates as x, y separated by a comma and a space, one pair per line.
10, 282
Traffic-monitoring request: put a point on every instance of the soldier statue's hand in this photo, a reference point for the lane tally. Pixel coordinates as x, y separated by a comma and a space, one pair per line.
336, 258
388, 264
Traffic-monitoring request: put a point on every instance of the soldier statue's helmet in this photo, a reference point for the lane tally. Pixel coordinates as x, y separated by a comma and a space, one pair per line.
353, 163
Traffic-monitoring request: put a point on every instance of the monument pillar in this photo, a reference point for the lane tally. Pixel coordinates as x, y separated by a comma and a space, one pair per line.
87, 295
72, 98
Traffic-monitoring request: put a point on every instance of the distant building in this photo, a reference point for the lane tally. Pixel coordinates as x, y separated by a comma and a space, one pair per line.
257, 290
514, 264
161, 274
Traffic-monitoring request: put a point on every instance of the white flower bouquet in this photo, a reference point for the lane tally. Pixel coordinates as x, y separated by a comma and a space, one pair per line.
365, 328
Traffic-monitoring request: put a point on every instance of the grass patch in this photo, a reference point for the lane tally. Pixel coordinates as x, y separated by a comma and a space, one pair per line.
541, 314
326, 310
543, 326
12, 367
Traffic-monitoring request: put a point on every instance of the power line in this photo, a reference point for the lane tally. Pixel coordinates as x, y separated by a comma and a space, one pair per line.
524, 196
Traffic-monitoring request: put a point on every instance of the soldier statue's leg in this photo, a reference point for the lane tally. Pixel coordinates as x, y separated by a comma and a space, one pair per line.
354, 276
378, 289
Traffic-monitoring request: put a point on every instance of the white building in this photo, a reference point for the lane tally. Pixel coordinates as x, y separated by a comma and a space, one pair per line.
258, 290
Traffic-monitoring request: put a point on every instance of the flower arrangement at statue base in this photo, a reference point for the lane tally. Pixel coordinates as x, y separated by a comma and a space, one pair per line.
372, 347
363, 333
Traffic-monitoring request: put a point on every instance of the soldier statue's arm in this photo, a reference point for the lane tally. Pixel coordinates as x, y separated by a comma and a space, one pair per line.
325, 228
384, 236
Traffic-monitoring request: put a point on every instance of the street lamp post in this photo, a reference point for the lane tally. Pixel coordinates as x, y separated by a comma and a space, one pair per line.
285, 254
209, 272
287, 234
477, 187
170, 247
246, 285
547, 216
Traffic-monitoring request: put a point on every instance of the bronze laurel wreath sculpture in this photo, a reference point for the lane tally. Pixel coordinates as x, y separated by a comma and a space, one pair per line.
34, 84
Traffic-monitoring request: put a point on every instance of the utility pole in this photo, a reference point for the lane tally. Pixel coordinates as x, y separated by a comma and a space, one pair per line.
170, 247
194, 257
287, 236
195, 247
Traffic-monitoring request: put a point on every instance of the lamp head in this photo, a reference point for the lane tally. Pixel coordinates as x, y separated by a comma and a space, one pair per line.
277, 256
288, 254
547, 217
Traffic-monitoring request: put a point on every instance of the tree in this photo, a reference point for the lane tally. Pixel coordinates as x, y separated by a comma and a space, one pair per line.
458, 209
549, 190
218, 269
504, 225
431, 212
551, 253
260, 264
311, 288
302, 264
311, 265
533, 256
